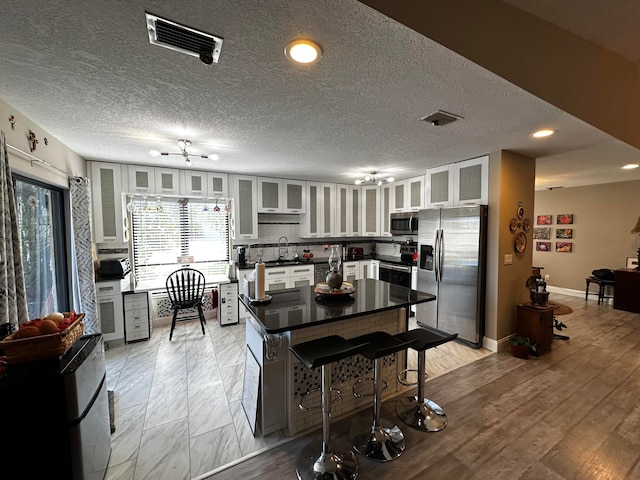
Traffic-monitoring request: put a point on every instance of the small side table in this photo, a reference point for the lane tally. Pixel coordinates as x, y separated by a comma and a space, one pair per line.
536, 322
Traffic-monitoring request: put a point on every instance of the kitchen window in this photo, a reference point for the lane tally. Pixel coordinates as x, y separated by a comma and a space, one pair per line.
169, 232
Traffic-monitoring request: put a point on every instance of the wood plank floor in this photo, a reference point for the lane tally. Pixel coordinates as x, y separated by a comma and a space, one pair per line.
572, 413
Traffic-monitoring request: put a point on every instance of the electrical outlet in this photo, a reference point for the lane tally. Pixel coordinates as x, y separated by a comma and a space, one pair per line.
546, 278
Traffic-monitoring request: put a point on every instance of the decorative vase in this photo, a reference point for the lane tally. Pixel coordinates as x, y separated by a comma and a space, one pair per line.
334, 277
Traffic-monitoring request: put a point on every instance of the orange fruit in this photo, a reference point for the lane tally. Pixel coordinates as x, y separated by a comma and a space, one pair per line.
48, 326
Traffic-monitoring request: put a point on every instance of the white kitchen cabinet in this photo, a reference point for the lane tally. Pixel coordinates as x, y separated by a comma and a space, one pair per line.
167, 181
400, 188
460, 183
109, 217
365, 268
270, 195
245, 208
301, 276
276, 278
354, 211
228, 303
408, 195
194, 183
217, 185
294, 192
280, 196
137, 321
415, 194
319, 218
110, 310
342, 209
141, 179
472, 182
386, 202
350, 271
370, 211
374, 272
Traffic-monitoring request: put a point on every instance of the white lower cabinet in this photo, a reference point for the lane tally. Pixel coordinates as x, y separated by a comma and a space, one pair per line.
279, 278
228, 303
137, 324
110, 311
350, 271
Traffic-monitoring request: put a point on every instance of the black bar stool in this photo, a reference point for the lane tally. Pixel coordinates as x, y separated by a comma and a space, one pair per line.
319, 462
417, 411
382, 441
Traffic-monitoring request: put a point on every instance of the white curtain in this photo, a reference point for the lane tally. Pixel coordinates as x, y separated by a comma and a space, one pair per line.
82, 268
13, 301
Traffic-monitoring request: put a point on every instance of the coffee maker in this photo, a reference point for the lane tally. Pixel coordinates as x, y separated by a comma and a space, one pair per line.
242, 256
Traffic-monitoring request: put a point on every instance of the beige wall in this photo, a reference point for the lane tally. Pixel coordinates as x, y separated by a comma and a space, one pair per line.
55, 153
603, 218
511, 184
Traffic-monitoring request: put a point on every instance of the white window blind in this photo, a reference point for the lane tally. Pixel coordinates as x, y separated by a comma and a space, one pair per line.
168, 229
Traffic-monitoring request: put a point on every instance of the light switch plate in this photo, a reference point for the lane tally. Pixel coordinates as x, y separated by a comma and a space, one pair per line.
508, 259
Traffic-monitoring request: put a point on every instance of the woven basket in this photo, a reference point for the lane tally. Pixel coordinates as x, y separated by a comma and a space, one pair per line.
43, 346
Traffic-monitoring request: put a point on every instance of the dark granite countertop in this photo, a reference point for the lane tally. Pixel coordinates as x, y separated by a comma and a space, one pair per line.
295, 308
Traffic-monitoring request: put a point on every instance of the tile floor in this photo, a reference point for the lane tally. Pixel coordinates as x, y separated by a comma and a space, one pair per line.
178, 411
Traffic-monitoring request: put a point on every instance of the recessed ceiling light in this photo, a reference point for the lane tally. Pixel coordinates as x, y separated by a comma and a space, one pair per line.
543, 133
303, 51
630, 166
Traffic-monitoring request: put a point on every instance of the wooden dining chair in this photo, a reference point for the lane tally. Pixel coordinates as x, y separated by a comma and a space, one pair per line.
185, 288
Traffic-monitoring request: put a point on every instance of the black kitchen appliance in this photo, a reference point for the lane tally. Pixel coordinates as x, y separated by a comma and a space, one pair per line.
56, 414
114, 268
242, 256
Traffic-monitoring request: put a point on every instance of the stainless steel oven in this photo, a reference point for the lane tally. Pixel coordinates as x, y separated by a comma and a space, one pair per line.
396, 274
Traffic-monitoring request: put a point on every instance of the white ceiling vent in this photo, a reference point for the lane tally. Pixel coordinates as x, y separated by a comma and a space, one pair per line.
441, 118
168, 34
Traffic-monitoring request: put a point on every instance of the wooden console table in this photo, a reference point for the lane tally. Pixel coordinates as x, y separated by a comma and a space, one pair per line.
536, 322
626, 294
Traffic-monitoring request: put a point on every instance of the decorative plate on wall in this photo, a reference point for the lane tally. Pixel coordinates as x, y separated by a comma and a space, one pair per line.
526, 224
520, 213
520, 242
513, 226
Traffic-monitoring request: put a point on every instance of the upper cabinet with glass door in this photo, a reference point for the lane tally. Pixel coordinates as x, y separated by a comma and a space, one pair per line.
245, 207
461, 183
408, 195
108, 182
280, 196
319, 217
199, 184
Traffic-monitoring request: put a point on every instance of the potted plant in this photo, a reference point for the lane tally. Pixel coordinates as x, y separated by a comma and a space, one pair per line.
522, 347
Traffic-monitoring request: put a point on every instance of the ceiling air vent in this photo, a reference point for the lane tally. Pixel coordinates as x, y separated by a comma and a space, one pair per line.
168, 34
441, 118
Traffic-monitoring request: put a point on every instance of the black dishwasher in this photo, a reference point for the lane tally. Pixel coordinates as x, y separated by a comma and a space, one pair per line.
55, 415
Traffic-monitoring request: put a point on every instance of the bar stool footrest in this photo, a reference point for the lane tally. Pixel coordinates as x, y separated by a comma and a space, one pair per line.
404, 373
363, 395
301, 405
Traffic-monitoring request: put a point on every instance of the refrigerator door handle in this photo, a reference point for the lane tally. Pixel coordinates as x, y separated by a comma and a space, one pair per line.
441, 254
436, 262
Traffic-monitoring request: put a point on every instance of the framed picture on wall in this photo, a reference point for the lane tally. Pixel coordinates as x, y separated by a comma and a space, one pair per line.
543, 246
564, 232
544, 219
541, 233
564, 219
564, 247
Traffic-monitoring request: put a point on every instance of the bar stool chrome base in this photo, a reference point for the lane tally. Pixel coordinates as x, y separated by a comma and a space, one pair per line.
327, 466
381, 443
426, 416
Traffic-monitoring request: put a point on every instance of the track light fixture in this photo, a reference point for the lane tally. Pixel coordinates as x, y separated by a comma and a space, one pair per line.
373, 179
185, 151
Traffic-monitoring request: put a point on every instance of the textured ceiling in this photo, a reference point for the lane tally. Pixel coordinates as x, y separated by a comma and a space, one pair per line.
85, 72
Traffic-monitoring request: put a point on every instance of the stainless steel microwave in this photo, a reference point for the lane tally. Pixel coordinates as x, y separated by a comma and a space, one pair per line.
405, 223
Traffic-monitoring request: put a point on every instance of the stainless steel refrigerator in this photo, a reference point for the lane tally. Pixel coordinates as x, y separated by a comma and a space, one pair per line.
451, 265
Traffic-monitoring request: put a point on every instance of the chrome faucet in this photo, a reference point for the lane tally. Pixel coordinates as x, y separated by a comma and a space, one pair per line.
285, 248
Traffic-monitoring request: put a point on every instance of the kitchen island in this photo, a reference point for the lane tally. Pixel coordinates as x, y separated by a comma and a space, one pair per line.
296, 315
